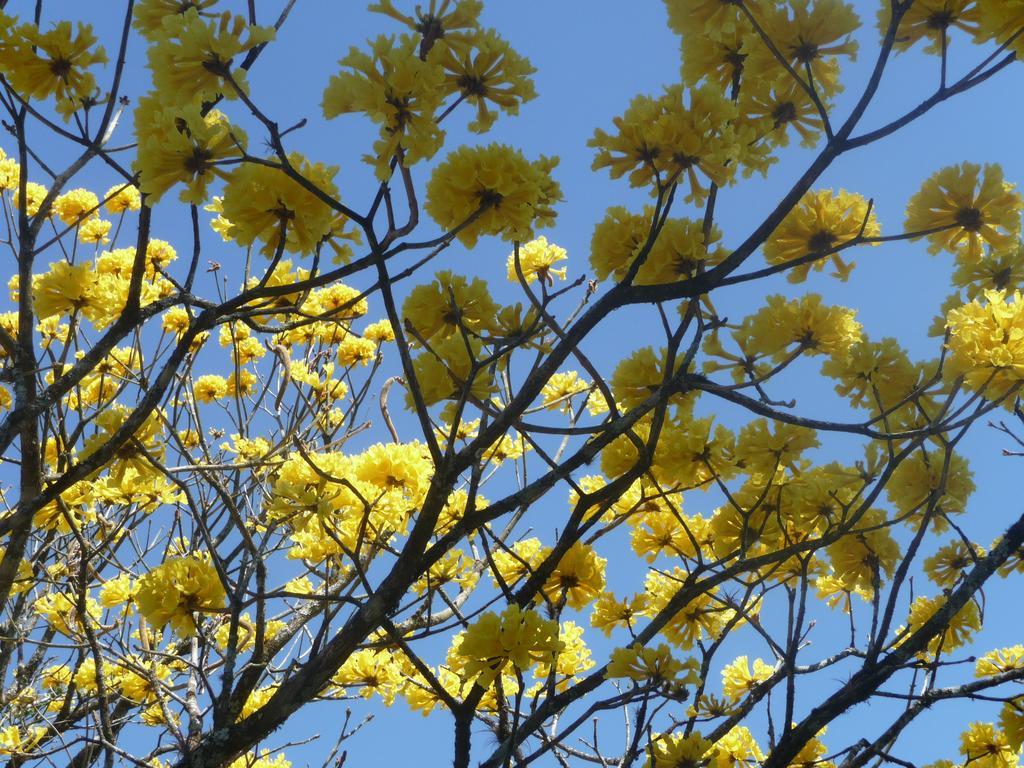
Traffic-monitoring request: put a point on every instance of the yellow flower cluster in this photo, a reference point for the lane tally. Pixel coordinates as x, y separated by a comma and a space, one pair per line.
394, 87
641, 664
933, 21
262, 202
678, 252
178, 589
820, 224
1001, 20
537, 260
54, 63
963, 207
492, 190
671, 139
986, 343
516, 637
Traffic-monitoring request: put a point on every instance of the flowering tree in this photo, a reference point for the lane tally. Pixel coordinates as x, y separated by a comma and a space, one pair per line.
217, 518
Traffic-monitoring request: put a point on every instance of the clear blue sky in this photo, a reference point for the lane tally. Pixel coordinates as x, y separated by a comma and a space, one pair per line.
592, 58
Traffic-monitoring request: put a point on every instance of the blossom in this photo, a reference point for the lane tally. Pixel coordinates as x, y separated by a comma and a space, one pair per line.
396, 89
641, 663
515, 637
210, 387
816, 328
537, 260
984, 746
558, 392
956, 631
738, 680
659, 141
191, 59
809, 35
969, 205
265, 203
986, 342
150, 14
174, 591
54, 63
122, 197
452, 24
487, 71
182, 146
822, 222
933, 21
492, 190
1002, 20
74, 206
449, 304
672, 751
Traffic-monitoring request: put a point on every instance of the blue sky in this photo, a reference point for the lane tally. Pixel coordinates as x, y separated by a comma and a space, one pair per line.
592, 58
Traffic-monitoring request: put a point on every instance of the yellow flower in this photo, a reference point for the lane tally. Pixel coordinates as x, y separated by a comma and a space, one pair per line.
664, 140
931, 482
1001, 20
261, 202
679, 251
820, 222
1011, 720
64, 289
864, 555
640, 663
451, 25
379, 332
537, 259
672, 751
375, 672
209, 388
814, 327
572, 659
54, 63
970, 205
738, 680
356, 351
150, 14
450, 302
94, 231
957, 631
492, 190
62, 612
558, 392
578, 578
984, 746
781, 103
873, 374
1000, 660
694, 18
931, 20
182, 146
986, 343
122, 197
396, 88
14, 742
515, 637
737, 749
718, 58
487, 70
118, 590
191, 59
809, 35
949, 565
34, 195
174, 591
74, 206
